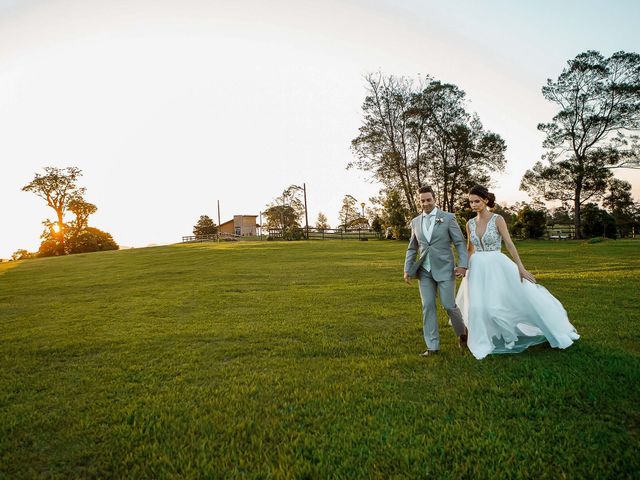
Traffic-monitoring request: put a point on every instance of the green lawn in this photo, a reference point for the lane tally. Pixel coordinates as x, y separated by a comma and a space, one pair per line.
300, 360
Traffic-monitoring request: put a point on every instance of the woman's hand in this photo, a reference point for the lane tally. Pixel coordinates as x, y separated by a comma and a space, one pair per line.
525, 275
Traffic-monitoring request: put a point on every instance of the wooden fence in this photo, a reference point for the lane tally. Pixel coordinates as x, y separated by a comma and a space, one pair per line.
560, 232
296, 234
323, 234
214, 237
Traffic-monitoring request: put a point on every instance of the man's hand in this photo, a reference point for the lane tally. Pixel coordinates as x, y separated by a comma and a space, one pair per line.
460, 272
407, 278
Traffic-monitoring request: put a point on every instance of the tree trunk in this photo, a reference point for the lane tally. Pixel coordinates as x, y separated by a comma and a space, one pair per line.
576, 209
409, 195
60, 232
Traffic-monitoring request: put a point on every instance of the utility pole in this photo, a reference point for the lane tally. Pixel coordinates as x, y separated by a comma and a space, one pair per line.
306, 217
219, 232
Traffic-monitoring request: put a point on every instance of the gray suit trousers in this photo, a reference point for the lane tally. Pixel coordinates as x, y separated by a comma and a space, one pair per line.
428, 287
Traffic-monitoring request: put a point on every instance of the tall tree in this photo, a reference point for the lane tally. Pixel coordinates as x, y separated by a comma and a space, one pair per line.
413, 136
459, 151
391, 140
599, 101
58, 187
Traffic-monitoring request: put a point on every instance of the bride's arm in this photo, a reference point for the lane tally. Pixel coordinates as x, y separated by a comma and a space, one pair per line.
469, 244
504, 232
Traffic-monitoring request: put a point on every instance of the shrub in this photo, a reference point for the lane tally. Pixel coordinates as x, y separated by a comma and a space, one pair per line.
21, 254
91, 240
596, 240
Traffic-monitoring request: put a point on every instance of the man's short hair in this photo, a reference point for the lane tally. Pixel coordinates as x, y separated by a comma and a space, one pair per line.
426, 189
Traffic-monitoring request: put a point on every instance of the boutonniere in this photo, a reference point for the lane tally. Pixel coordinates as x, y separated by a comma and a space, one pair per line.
439, 219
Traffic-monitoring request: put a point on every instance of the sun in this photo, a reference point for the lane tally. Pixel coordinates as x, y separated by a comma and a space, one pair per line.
55, 228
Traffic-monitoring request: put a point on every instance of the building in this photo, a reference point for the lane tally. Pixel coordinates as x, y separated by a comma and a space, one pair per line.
241, 225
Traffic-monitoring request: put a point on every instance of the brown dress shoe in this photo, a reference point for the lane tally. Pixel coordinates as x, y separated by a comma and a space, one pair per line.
462, 339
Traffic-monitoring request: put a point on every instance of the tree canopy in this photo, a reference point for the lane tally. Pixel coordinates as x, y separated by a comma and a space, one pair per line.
205, 226
592, 133
413, 135
322, 223
286, 211
349, 213
59, 187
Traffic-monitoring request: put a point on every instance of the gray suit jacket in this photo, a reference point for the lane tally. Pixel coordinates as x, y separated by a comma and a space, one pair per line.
445, 232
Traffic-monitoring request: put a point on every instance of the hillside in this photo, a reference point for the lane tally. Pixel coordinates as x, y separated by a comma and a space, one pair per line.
299, 359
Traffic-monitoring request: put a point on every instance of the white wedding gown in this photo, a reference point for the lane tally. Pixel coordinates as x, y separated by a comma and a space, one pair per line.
504, 314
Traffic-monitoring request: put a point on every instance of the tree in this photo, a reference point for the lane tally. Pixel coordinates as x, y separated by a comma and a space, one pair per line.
413, 136
91, 240
21, 254
281, 217
509, 214
529, 223
52, 239
389, 145
82, 210
205, 226
58, 187
49, 247
599, 100
597, 222
396, 214
621, 206
461, 152
559, 216
285, 212
376, 224
321, 223
349, 214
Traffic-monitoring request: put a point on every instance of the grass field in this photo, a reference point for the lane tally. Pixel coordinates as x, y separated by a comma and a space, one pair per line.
300, 360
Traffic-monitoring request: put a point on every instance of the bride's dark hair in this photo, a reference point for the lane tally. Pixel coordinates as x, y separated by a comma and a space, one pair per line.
485, 194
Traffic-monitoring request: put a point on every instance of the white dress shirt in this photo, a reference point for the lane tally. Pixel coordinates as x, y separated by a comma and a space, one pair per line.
432, 221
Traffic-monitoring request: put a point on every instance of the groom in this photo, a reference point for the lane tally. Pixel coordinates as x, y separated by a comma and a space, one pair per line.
432, 233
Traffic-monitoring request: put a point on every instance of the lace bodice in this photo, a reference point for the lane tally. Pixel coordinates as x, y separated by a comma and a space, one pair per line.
491, 240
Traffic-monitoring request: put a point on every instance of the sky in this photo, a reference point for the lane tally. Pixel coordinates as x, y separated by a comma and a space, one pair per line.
170, 106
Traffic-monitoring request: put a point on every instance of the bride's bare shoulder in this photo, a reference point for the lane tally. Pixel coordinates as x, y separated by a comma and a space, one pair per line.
499, 218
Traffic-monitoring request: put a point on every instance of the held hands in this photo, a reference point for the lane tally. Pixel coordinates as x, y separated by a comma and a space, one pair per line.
525, 275
460, 272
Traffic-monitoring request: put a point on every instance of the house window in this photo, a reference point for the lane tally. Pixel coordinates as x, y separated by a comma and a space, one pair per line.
237, 230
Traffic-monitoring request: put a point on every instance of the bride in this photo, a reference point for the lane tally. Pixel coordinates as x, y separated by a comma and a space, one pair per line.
503, 308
